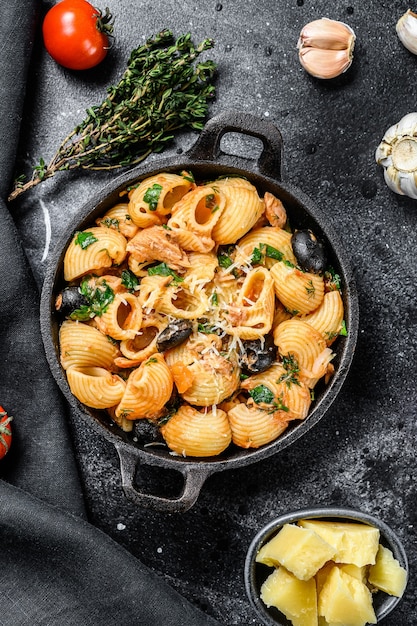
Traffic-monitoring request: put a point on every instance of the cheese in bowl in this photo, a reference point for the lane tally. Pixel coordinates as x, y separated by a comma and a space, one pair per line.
316, 571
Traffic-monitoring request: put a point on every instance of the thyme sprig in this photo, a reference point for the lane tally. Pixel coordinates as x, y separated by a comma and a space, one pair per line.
161, 91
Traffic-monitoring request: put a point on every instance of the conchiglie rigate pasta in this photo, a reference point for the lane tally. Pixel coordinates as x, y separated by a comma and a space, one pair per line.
182, 286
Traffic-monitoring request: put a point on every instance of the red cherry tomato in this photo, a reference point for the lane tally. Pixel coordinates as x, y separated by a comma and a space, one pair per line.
5, 432
76, 35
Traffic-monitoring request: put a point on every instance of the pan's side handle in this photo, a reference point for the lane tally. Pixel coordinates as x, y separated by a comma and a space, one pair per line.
194, 477
207, 146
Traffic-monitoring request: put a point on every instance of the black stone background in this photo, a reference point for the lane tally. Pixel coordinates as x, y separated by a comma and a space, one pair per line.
362, 453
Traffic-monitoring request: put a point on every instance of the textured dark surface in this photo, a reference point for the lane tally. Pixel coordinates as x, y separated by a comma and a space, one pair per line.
361, 454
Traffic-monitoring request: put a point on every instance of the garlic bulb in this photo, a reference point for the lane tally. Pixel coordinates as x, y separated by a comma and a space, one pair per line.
326, 48
397, 153
407, 31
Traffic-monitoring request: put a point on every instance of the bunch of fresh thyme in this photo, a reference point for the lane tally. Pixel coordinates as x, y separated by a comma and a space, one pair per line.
161, 91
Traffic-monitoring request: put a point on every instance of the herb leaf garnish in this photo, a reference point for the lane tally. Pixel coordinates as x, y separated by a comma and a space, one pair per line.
85, 239
261, 393
98, 297
164, 270
130, 280
151, 196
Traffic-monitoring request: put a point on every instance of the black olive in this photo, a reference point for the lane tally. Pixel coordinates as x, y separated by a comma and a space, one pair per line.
146, 431
69, 300
259, 355
309, 251
174, 334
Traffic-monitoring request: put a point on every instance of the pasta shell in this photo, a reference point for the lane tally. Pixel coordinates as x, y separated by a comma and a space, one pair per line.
183, 304
276, 238
122, 318
328, 318
195, 216
300, 292
252, 315
252, 427
306, 345
190, 432
107, 248
214, 377
85, 346
288, 389
143, 345
95, 386
118, 218
169, 189
243, 209
148, 389
201, 272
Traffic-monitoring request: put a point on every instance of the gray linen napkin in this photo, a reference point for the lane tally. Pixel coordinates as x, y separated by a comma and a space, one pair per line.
55, 568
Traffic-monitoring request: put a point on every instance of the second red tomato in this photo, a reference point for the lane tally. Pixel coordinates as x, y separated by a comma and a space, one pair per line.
76, 34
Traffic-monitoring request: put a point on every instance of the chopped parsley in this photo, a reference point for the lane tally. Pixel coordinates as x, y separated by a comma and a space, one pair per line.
290, 364
257, 256
152, 195
188, 176
98, 297
261, 393
310, 289
207, 329
110, 222
265, 250
85, 239
224, 260
130, 280
343, 331
211, 203
332, 279
289, 264
164, 270
214, 299
273, 253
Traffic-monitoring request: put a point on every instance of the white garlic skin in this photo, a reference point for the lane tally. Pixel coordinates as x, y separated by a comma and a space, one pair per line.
326, 48
407, 30
397, 154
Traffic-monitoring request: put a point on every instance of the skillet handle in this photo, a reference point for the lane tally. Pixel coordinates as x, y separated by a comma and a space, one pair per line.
194, 477
207, 146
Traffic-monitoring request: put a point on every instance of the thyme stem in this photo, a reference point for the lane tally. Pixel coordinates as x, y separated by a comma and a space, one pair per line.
160, 92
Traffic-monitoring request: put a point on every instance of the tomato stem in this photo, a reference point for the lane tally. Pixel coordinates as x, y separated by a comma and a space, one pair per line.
5, 430
104, 22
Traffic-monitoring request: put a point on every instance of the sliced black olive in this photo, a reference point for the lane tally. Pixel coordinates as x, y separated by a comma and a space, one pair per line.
146, 431
174, 334
309, 251
69, 300
259, 355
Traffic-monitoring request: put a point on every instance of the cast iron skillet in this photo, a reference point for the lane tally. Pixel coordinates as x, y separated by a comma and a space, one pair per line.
207, 161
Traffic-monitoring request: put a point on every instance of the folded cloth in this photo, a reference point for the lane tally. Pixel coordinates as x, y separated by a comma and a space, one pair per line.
55, 567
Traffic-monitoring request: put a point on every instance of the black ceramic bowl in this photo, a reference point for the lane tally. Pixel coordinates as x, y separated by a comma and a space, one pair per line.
256, 573
207, 161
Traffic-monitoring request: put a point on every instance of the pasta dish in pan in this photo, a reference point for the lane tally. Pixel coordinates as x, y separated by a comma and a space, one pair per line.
193, 307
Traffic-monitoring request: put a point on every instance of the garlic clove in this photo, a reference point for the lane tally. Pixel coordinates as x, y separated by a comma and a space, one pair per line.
326, 34
325, 63
397, 154
326, 47
407, 30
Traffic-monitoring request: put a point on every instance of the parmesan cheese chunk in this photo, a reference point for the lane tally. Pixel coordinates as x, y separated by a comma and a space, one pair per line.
345, 600
354, 543
387, 574
299, 550
295, 598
